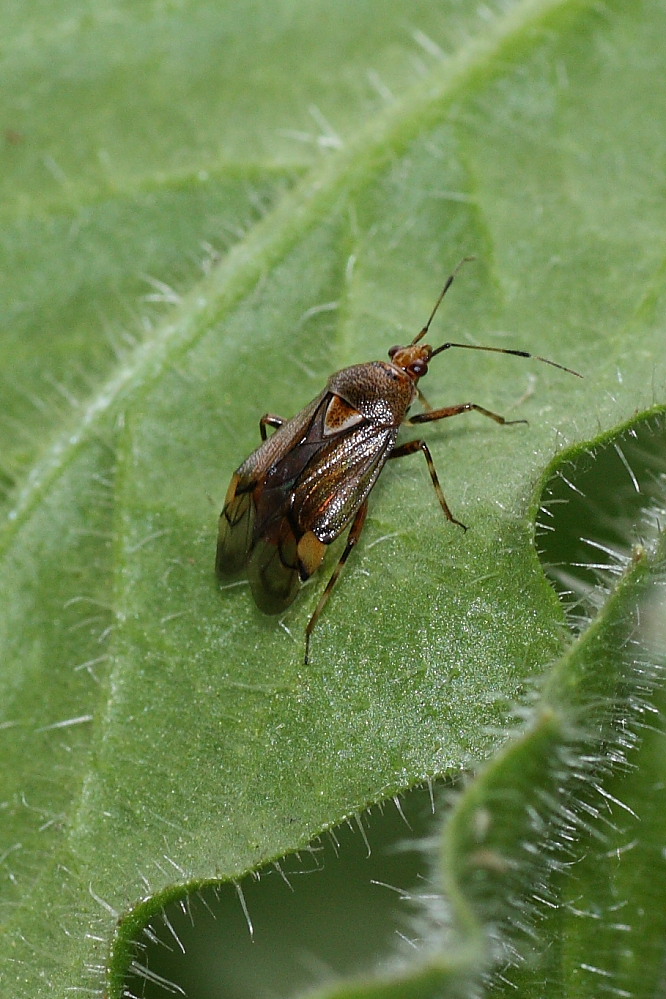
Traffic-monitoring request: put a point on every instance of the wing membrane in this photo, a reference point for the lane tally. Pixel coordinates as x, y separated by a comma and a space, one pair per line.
236, 528
295, 494
240, 528
273, 570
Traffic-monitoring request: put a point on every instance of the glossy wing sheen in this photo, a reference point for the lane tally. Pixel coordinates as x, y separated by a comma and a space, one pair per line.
308, 497
330, 490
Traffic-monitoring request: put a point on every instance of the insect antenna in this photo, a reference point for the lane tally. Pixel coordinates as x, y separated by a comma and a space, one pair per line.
449, 281
470, 346
506, 350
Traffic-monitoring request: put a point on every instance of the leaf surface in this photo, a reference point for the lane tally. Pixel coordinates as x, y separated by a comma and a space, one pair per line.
292, 200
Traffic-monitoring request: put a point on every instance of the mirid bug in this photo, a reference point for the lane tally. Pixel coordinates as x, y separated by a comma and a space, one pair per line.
311, 479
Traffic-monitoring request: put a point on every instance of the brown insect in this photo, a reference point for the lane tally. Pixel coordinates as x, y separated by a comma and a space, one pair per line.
311, 479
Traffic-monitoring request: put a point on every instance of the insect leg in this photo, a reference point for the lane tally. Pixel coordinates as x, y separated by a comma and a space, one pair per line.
352, 538
269, 420
409, 448
463, 407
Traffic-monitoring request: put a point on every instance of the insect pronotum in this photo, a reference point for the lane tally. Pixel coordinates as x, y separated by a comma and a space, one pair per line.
311, 479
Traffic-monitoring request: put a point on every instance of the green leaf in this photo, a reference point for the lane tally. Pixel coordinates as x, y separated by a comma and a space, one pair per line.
156, 732
552, 858
552, 863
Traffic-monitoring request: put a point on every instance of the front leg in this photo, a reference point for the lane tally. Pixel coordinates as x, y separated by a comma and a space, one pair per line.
462, 407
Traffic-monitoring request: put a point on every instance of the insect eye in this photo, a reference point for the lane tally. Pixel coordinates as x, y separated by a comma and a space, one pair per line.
394, 350
418, 368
